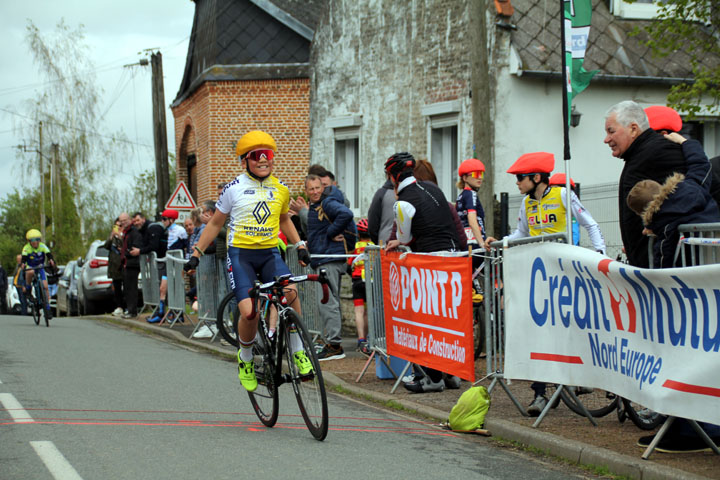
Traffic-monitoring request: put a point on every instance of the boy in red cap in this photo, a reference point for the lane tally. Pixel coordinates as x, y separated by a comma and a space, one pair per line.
543, 212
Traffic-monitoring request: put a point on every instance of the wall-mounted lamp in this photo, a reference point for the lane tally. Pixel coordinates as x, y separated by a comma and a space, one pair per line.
574, 117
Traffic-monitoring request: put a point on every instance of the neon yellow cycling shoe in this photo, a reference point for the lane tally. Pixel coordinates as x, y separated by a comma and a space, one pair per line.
246, 374
303, 363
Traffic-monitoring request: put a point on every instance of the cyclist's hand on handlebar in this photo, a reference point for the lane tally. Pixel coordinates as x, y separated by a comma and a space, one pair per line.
303, 256
191, 264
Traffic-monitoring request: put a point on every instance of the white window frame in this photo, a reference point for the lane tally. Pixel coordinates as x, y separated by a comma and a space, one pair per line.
443, 115
639, 11
347, 175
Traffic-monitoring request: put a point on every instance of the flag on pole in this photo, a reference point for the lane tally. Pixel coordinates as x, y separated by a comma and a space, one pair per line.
577, 15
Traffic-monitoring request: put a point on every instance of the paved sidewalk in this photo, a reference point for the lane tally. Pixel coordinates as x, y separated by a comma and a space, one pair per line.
562, 433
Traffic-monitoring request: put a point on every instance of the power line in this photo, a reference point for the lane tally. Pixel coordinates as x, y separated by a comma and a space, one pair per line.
89, 132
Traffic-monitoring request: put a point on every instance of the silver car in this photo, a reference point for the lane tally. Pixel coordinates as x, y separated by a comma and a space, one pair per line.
67, 290
94, 286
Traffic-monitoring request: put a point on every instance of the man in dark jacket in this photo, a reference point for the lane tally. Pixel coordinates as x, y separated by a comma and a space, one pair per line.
328, 220
131, 264
3, 290
155, 239
681, 199
647, 155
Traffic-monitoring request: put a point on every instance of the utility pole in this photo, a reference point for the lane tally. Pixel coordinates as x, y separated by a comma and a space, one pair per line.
160, 132
42, 181
55, 187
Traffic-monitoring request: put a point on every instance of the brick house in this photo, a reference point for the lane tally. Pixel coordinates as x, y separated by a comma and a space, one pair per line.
247, 68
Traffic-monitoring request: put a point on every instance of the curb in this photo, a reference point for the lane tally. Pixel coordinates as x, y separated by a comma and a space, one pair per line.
573, 451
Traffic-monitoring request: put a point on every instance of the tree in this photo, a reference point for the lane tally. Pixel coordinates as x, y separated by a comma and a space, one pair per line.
693, 27
145, 187
69, 107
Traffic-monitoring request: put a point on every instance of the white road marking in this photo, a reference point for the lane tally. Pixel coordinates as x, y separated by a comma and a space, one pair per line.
58, 465
13, 407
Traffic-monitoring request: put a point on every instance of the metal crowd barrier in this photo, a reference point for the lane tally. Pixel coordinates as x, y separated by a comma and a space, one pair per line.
150, 281
308, 292
495, 321
698, 245
212, 286
175, 299
701, 240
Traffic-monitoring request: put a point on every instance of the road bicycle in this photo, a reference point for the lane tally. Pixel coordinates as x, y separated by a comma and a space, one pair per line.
37, 297
280, 336
598, 402
641, 416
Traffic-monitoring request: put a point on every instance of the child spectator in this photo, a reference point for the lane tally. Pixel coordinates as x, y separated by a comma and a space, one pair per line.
356, 268
469, 208
680, 199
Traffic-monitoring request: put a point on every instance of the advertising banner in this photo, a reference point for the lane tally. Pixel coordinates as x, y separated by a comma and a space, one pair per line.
428, 311
575, 317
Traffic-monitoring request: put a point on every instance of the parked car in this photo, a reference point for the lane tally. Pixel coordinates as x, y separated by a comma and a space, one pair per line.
67, 290
12, 298
94, 286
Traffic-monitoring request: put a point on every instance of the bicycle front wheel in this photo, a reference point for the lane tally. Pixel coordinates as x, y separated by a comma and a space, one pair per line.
227, 318
643, 417
307, 383
44, 306
265, 398
33, 303
597, 401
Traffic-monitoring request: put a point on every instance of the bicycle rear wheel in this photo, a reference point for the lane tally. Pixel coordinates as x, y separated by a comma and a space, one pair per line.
265, 398
598, 402
643, 417
310, 387
227, 318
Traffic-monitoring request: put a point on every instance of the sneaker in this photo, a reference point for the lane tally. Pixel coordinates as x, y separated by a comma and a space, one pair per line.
129, 315
678, 443
424, 385
331, 352
224, 342
537, 406
319, 345
364, 348
452, 382
246, 374
411, 378
203, 332
155, 319
117, 312
303, 363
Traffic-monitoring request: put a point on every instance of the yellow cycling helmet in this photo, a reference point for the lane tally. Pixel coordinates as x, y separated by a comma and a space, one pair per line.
32, 233
254, 140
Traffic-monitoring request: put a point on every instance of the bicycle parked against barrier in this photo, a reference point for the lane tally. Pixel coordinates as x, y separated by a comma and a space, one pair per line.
274, 343
38, 301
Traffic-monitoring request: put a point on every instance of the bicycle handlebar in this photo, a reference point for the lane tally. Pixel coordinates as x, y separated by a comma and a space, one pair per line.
285, 280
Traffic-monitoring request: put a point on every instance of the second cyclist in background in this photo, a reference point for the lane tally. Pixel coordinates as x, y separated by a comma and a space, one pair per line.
35, 254
257, 203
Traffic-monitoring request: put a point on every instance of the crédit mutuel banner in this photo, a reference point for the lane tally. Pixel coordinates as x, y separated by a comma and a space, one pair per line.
575, 317
428, 311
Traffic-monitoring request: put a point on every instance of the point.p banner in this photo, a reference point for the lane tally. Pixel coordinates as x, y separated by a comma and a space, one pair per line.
428, 311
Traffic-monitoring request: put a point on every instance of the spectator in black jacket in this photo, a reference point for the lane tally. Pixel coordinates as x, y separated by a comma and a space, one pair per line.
115, 272
155, 240
3, 290
647, 155
130, 261
380, 215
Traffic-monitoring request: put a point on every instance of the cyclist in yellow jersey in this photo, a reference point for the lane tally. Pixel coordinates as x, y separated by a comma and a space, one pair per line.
257, 203
543, 211
35, 254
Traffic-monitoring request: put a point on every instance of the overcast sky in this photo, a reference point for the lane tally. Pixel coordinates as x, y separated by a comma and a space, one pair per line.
115, 33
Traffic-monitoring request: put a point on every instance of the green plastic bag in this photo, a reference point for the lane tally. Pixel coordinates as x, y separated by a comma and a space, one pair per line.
469, 412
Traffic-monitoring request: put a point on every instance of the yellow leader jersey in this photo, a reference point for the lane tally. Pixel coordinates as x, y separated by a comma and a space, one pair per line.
254, 207
547, 215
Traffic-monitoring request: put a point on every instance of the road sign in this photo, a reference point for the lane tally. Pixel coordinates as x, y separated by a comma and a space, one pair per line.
181, 199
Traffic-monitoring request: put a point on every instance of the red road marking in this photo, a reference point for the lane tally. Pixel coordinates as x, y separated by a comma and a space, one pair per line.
552, 357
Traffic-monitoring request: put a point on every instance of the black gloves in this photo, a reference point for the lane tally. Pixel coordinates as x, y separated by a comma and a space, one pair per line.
191, 264
303, 256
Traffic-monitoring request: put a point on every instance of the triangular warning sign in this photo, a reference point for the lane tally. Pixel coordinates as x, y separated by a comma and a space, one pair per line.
181, 199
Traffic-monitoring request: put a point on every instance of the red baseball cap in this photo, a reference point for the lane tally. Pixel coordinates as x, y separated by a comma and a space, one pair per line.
663, 118
559, 179
170, 213
536, 162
